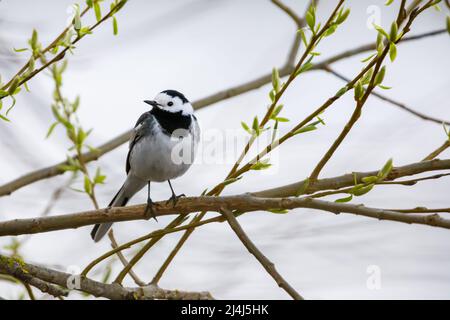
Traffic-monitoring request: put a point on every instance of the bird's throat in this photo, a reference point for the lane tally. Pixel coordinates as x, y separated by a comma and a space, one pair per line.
171, 121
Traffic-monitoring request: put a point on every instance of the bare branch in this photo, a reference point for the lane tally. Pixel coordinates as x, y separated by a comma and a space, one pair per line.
242, 203
98, 289
266, 263
124, 260
387, 99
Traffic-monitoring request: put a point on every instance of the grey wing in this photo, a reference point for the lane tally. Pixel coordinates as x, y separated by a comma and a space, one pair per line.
138, 132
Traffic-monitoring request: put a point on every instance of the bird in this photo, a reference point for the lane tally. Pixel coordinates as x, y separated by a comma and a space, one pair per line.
162, 147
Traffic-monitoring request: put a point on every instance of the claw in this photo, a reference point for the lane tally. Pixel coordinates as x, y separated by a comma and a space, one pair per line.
149, 212
174, 198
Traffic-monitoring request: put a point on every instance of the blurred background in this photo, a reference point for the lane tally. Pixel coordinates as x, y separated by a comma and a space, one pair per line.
200, 47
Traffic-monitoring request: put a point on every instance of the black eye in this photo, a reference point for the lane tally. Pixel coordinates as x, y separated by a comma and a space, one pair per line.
170, 103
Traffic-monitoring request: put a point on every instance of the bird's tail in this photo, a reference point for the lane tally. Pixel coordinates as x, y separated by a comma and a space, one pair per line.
128, 190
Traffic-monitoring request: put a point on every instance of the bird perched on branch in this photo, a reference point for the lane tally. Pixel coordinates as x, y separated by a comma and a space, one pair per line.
162, 147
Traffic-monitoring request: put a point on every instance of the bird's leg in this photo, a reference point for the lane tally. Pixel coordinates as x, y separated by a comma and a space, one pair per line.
174, 198
149, 212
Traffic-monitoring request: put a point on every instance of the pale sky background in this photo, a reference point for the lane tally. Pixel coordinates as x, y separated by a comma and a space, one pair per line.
200, 47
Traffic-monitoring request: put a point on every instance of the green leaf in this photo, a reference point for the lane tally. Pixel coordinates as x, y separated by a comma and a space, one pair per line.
331, 29
272, 95
381, 31
388, 2
392, 51
4, 118
281, 119
305, 129
370, 179
84, 31
278, 211
14, 85
275, 80
245, 126
368, 58
98, 11
50, 130
384, 87
12, 105
277, 111
341, 91
361, 190
20, 50
341, 18
34, 39
303, 36
387, 168
231, 180
393, 32
87, 185
310, 20
346, 199
380, 76
115, 26
99, 178
255, 126
359, 90
77, 18
260, 165
367, 77
448, 24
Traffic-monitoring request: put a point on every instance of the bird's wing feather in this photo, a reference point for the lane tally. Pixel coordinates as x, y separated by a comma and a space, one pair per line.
137, 134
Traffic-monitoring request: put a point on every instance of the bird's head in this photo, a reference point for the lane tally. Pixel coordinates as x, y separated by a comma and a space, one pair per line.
171, 101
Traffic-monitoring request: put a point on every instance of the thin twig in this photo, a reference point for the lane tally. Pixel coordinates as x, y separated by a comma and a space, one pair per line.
253, 249
438, 151
124, 260
387, 99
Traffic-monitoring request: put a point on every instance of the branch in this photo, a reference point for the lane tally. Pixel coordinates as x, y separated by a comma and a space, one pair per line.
387, 99
15, 270
98, 289
266, 263
438, 151
348, 180
370, 47
122, 258
241, 203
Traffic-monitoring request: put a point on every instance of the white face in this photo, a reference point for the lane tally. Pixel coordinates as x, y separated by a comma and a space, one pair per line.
173, 104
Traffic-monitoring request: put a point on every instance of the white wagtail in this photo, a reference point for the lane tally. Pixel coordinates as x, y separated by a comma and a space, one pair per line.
162, 147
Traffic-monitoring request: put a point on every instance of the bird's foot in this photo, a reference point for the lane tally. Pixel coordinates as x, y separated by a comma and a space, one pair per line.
149, 212
174, 198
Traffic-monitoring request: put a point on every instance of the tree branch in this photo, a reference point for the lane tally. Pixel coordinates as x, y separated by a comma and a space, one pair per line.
98, 289
387, 99
241, 203
266, 263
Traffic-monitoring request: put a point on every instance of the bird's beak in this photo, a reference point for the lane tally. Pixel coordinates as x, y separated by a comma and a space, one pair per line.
153, 103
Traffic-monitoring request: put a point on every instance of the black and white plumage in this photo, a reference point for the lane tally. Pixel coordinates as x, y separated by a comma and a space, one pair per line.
162, 147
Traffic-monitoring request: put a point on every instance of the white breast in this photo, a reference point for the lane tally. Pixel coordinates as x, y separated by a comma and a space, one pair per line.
158, 157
